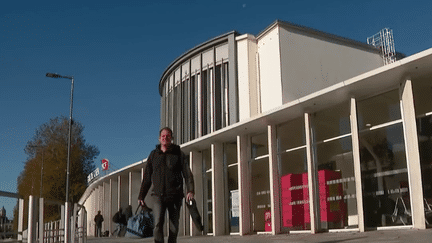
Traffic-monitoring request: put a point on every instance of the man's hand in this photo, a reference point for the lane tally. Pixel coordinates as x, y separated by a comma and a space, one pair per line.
189, 196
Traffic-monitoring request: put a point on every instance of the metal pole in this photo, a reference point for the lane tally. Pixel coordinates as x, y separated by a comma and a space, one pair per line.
69, 141
67, 204
41, 186
67, 211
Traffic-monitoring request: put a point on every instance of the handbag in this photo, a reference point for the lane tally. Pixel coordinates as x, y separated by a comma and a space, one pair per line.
141, 224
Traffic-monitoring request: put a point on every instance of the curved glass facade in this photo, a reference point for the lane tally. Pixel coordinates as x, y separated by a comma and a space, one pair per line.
199, 90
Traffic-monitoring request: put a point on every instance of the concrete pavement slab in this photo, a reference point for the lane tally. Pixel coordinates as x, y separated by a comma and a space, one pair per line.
401, 235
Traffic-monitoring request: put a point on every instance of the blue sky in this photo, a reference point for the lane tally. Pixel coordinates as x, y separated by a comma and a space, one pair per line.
118, 50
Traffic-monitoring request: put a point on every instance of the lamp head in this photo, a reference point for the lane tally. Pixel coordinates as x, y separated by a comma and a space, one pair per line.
55, 75
52, 75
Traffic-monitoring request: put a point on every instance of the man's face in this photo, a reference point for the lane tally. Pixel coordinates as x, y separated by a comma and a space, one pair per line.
165, 138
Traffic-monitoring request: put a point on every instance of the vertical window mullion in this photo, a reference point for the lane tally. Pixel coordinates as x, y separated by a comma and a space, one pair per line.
199, 104
212, 100
226, 103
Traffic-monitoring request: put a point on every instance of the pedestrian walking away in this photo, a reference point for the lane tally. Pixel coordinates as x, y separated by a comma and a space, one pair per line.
166, 168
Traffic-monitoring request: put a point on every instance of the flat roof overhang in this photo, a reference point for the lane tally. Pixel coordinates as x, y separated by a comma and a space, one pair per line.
371, 83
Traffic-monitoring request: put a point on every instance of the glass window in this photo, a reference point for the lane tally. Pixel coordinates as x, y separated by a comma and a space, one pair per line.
294, 176
193, 108
185, 110
259, 146
199, 105
260, 188
332, 122
210, 101
383, 162
218, 98
205, 99
177, 114
379, 110
208, 200
260, 193
332, 147
291, 134
230, 158
170, 109
338, 205
422, 89
225, 107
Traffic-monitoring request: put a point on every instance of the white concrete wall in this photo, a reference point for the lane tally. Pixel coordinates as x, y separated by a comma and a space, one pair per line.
114, 200
106, 208
310, 64
135, 186
249, 99
124, 190
269, 64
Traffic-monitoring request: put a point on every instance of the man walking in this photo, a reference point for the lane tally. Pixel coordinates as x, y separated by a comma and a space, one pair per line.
166, 168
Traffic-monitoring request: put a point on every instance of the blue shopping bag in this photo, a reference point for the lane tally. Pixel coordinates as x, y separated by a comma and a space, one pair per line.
141, 224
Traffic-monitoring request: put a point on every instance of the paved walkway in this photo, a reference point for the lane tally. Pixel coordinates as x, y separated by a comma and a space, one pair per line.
401, 235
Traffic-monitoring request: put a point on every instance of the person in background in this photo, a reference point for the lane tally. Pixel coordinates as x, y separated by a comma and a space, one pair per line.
166, 168
98, 220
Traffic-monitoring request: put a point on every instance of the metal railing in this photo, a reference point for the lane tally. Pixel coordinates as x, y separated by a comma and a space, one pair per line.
50, 231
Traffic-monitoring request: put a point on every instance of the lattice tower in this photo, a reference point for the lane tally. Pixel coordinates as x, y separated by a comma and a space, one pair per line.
385, 42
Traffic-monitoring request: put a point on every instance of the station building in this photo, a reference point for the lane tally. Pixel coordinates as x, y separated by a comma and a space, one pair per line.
293, 130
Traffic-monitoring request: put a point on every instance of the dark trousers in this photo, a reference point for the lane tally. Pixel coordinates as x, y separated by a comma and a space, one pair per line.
98, 231
159, 209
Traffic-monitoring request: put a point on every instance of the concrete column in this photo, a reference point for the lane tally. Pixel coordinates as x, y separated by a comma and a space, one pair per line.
412, 155
130, 189
113, 201
41, 220
106, 208
90, 210
73, 222
357, 168
100, 198
31, 230
124, 190
134, 185
243, 153
312, 179
196, 168
119, 196
20, 219
218, 196
274, 181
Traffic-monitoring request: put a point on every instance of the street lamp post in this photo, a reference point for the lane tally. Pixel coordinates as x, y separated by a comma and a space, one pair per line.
67, 204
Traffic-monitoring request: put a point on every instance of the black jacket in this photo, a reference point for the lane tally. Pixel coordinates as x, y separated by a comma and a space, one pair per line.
166, 171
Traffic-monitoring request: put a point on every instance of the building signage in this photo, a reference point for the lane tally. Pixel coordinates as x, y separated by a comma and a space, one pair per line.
92, 176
